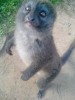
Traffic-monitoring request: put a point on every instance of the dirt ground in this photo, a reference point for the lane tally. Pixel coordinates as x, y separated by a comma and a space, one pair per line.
62, 88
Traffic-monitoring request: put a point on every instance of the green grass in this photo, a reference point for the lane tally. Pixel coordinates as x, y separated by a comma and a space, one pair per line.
56, 1
8, 9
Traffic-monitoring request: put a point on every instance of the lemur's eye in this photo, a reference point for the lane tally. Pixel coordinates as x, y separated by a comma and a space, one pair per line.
28, 8
42, 13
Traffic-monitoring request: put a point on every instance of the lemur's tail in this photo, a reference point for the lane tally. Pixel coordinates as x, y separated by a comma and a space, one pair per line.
66, 55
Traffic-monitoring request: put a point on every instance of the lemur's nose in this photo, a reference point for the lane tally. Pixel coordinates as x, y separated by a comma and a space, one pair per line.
31, 18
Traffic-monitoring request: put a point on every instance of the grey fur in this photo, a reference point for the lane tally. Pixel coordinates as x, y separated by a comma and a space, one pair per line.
35, 45
9, 42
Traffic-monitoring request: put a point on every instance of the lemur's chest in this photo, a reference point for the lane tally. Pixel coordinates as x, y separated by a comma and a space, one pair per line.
29, 45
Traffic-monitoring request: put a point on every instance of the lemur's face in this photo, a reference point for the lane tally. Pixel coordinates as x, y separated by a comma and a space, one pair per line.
38, 15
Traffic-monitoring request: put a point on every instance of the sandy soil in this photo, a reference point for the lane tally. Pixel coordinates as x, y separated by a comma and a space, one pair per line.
62, 88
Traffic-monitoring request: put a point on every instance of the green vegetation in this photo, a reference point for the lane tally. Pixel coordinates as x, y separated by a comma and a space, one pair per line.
8, 10
56, 1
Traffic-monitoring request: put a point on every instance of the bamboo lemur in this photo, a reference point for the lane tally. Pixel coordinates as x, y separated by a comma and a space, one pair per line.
34, 42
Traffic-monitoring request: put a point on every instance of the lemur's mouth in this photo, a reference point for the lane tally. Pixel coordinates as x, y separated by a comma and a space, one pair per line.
31, 24
28, 24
